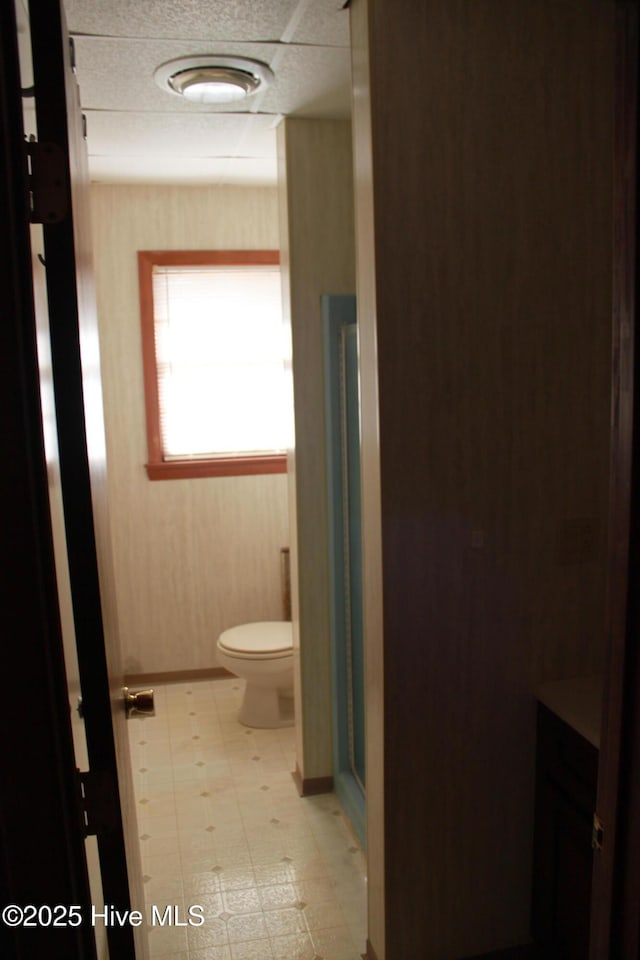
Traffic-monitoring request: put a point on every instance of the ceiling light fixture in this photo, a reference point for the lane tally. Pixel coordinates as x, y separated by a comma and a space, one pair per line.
213, 79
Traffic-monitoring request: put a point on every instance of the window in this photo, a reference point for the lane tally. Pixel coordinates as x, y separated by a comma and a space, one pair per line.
216, 363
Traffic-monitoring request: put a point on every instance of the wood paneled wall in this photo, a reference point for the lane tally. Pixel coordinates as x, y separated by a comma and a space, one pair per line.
317, 250
490, 158
192, 557
370, 478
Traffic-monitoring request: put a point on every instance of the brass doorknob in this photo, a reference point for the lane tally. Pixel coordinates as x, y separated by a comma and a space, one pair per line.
139, 701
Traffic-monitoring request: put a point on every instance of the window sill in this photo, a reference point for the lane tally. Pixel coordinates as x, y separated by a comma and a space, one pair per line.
219, 467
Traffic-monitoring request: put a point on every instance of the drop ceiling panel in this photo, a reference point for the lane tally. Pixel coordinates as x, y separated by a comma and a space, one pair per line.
198, 20
258, 138
250, 172
183, 170
134, 126
234, 149
118, 74
135, 134
324, 23
311, 82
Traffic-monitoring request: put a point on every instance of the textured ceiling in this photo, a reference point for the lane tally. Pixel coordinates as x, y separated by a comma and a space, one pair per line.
136, 132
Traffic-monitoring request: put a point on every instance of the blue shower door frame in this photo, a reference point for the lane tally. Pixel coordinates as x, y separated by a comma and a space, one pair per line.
345, 554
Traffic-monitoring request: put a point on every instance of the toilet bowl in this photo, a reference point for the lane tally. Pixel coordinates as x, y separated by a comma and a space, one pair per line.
262, 654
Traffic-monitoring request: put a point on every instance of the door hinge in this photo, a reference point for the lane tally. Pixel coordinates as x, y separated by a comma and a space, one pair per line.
98, 800
47, 182
597, 833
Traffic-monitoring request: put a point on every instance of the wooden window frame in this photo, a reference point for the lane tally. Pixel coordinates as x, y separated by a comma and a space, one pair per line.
157, 468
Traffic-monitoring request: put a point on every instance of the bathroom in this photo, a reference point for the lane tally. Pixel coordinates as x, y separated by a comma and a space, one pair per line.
194, 557
547, 543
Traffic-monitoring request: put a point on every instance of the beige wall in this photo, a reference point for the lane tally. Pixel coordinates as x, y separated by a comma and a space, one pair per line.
484, 267
317, 233
192, 557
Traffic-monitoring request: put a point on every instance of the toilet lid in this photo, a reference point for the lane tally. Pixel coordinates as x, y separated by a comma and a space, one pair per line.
267, 637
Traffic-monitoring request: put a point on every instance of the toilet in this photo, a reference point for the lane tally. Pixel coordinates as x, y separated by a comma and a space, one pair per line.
262, 654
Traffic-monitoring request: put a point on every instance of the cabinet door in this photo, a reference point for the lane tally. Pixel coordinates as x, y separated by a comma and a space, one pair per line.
566, 777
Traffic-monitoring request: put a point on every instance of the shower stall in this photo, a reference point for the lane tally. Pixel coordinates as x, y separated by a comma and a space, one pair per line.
345, 566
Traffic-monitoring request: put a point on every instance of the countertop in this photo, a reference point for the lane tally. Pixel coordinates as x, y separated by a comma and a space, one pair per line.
578, 702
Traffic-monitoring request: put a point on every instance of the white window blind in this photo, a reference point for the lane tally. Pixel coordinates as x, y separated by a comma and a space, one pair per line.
223, 360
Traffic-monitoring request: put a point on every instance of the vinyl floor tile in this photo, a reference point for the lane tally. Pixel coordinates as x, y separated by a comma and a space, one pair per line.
293, 947
252, 950
249, 926
213, 952
222, 827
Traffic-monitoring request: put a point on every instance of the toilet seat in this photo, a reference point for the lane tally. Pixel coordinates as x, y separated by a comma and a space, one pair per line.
261, 654
266, 640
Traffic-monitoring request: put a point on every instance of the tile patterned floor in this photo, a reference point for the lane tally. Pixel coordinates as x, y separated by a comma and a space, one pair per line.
222, 826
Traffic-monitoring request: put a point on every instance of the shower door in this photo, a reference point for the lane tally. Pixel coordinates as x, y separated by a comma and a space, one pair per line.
345, 553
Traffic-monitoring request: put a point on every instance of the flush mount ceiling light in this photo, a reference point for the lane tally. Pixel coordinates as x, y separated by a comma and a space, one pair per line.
213, 79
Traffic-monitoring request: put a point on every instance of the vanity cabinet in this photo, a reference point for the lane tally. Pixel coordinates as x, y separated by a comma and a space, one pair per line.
566, 779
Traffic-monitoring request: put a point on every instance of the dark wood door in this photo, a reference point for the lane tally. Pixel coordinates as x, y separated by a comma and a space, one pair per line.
42, 854
615, 904
32, 640
81, 444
